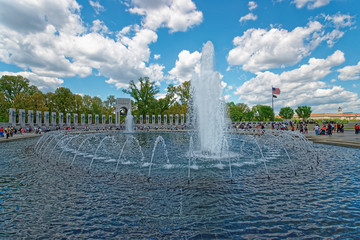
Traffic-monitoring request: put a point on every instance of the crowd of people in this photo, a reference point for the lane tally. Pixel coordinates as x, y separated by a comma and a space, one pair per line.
10, 131
327, 128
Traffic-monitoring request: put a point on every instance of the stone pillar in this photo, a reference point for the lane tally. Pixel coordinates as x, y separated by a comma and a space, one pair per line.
61, 119
89, 119
31, 117
38, 118
82, 120
96, 119
117, 118
182, 118
76, 119
153, 121
12, 116
141, 119
103, 119
159, 119
46, 119
110, 119
171, 119
135, 119
22, 117
176, 119
147, 119
53, 118
165, 119
68, 119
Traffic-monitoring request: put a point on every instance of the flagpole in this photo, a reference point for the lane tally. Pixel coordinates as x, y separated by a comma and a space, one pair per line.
272, 102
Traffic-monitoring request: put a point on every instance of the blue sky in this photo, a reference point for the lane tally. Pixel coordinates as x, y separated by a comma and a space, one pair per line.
307, 48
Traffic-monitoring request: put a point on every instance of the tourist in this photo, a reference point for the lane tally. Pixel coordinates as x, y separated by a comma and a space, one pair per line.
329, 129
342, 128
323, 130
356, 128
1, 132
316, 128
7, 130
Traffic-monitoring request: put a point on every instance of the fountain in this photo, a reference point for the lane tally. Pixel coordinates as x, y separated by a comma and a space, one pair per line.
202, 184
207, 104
206, 149
129, 122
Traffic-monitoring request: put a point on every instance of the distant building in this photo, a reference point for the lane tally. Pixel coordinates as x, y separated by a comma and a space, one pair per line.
339, 115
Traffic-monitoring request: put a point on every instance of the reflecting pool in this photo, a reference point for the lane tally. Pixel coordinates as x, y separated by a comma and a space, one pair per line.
102, 188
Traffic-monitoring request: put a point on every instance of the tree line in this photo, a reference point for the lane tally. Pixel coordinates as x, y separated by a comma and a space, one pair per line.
241, 112
16, 92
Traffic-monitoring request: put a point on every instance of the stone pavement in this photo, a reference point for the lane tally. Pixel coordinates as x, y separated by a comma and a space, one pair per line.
346, 139
19, 137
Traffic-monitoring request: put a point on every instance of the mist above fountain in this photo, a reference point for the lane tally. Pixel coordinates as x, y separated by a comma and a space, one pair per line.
208, 113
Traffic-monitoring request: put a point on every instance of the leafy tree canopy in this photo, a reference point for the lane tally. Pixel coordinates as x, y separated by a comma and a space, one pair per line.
11, 86
303, 112
263, 113
286, 112
144, 95
239, 112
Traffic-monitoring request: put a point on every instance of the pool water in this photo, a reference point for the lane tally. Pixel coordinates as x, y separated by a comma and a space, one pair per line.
42, 196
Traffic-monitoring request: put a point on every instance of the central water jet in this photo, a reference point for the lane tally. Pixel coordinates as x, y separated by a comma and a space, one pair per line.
208, 112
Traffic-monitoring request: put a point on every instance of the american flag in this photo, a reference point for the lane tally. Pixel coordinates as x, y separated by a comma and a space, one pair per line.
276, 91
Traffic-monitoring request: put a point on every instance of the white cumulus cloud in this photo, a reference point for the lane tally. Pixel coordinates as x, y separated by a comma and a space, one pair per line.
252, 5
340, 20
177, 15
97, 6
301, 86
50, 40
311, 4
261, 49
350, 72
247, 17
185, 66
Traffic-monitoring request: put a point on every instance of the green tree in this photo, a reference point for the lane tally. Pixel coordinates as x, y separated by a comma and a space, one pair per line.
286, 112
22, 101
238, 112
303, 112
96, 106
78, 104
165, 103
38, 102
183, 91
144, 96
11, 86
4, 108
263, 113
49, 102
177, 108
64, 100
110, 101
87, 103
